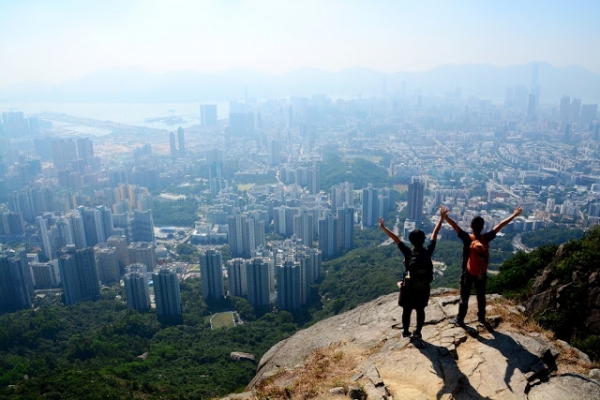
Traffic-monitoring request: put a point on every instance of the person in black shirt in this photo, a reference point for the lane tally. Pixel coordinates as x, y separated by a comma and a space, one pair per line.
417, 292
468, 279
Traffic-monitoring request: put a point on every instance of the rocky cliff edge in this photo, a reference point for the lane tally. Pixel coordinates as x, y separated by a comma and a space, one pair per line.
361, 354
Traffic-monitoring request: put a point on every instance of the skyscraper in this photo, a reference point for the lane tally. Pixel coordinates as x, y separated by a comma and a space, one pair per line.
234, 223
236, 277
173, 145
167, 294
79, 276
141, 226
45, 274
303, 226
14, 290
107, 263
274, 152
142, 253
208, 114
257, 273
78, 229
328, 235
93, 226
369, 206
211, 274
181, 141
85, 150
119, 242
136, 287
414, 210
288, 285
564, 110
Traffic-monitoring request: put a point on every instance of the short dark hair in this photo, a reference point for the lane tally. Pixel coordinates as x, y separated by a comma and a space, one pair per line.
477, 224
417, 238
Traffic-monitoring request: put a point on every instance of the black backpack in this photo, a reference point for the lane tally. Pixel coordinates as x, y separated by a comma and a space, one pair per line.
420, 267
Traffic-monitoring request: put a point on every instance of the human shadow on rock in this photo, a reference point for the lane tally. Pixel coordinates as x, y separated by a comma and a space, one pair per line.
519, 357
455, 382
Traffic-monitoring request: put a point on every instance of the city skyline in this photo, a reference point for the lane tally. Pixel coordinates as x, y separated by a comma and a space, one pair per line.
61, 41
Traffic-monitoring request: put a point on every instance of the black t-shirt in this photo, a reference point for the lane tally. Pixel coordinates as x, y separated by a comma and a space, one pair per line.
407, 251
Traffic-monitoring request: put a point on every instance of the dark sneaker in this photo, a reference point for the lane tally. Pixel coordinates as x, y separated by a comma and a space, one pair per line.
457, 322
405, 333
417, 335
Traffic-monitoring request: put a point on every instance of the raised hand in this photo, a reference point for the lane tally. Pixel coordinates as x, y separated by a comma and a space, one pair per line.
518, 210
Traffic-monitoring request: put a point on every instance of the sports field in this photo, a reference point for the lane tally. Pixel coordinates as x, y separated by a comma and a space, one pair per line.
222, 320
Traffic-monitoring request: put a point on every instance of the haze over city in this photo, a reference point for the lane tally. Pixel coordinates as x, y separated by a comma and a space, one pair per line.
62, 40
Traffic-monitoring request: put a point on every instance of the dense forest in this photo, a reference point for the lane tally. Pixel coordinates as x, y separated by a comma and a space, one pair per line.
180, 212
103, 350
551, 235
335, 170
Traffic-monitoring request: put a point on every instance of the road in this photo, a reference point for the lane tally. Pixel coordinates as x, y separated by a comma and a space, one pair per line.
518, 244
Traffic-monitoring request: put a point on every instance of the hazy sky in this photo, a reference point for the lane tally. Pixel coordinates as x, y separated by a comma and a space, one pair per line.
57, 40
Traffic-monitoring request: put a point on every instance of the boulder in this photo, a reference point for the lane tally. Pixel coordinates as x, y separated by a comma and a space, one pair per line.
448, 363
241, 356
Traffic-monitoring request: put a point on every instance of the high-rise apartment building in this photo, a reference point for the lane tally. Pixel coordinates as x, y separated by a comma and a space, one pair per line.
15, 293
141, 226
304, 226
79, 275
345, 227
328, 235
414, 210
289, 285
85, 150
208, 115
274, 152
119, 242
181, 141
565, 108
211, 274
142, 253
369, 206
93, 225
78, 227
45, 274
137, 291
236, 277
167, 294
107, 263
257, 273
173, 145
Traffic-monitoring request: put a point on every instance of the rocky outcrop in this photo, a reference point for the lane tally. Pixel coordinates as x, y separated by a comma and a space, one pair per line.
569, 287
366, 353
241, 356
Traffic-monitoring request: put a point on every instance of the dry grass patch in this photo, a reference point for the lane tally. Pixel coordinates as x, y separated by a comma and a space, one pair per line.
568, 361
513, 320
324, 369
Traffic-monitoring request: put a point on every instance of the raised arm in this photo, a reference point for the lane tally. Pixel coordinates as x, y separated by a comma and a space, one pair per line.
436, 230
391, 234
505, 222
452, 223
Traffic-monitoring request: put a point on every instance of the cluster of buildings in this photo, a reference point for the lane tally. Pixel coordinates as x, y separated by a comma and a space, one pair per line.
69, 203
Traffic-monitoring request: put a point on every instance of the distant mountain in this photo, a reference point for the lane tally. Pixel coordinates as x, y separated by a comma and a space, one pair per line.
138, 85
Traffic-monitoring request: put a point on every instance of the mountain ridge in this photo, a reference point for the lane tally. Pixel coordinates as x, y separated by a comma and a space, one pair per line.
133, 84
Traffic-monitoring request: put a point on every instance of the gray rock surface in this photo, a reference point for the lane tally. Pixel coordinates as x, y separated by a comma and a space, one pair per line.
449, 363
241, 356
566, 387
